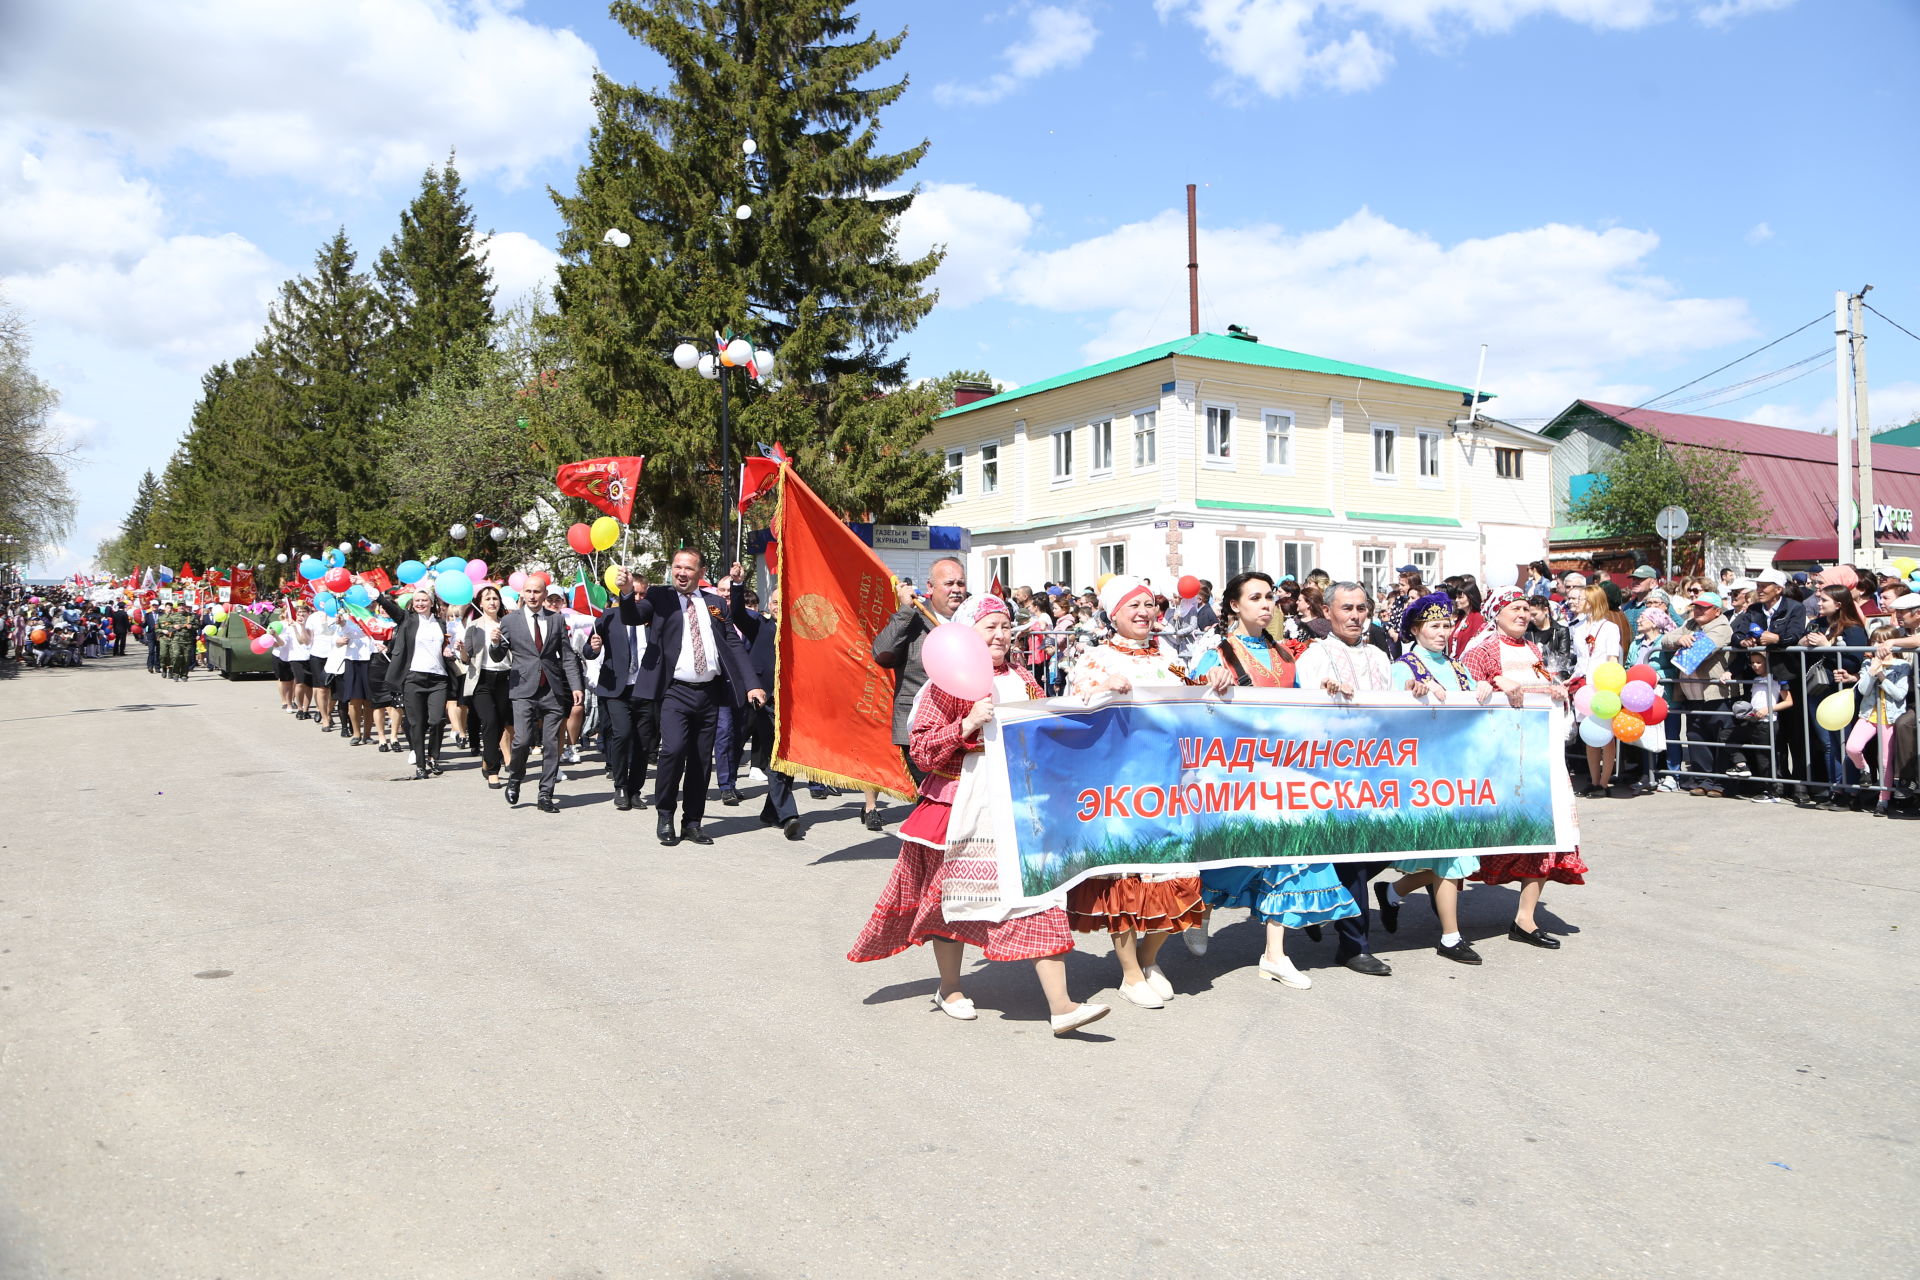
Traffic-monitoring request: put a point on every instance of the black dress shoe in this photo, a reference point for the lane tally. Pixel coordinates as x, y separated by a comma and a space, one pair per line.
434, 767
872, 820
513, 792
547, 805
622, 799
1389, 912
792, 828
691, 831
731, 796
1535, 938
419, 773
664, 829
1461, 951
1371, 965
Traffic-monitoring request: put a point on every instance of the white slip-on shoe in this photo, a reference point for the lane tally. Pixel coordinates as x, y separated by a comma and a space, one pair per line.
1065, 1022
1284, 972
960, 1007
1158, 981
1196, 937
1142, 994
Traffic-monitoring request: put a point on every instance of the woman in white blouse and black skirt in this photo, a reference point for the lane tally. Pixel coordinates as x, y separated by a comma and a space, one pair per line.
484, 648
420, 671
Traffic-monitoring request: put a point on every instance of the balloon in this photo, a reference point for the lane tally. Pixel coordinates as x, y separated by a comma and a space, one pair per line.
1609, 676
219, 615
509, 596
611, 577
1595, 733
405, 601
346, 548
499, 533
1903, 566
312, 569
1583, 700
1835, 711
337, 579
334, 557
277, 626
1188, 587
410, 571
458, 533
281, 558
1655, 714
516, 580
454, 587
580, 538
956, 659
1644, 673
452, 564
1605, 704
477, 571
209, 630
139, 630
1628, 727
262, 643
537, 583
39, 636
1100, 583
360, 595
326, 602
1637, 696
606, 532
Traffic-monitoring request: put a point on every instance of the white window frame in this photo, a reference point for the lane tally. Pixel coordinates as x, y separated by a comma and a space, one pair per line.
1422, 437
998, 566
1519, 462
1096, 429
1427, 561
1111, 557
1245, 550
1217, 460
1392, 474
1146, 438
1377, 576
956, 468
1305, 558
1058, 559
989, 468
1062, 452
1285, 420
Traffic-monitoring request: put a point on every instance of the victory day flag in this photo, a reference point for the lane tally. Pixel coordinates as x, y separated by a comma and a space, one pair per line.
833, 704
759, 475
608, 483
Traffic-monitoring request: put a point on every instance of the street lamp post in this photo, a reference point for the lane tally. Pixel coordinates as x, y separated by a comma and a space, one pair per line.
729, 353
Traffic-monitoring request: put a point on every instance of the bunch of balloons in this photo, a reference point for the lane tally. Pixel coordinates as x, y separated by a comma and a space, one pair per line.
600, 535
1619, 703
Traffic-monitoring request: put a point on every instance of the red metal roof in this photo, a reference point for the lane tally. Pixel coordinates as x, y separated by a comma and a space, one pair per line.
1796, 471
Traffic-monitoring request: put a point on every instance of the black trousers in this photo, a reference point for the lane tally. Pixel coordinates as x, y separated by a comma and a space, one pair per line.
689, 718
1353, 930
119, 644
779, 804
424, 695
1708, 728
541, 713
632, 738
494, 712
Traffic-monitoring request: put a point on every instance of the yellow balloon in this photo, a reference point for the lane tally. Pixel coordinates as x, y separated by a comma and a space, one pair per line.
1610, 676
1835, 711
605, 532
1905, 565
611, 577
1100, 583
219, 615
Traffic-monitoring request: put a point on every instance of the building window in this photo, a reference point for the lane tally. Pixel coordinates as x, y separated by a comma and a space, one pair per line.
1102, 433
1297, 560
1429, 456
1145, 451
989, 468
1063, 456
1113, 558
1506, 463
1000, 570
1373, 571
1384, 439
1219, 433
1240, 555
1279, 441
956, 473
1060, 568
1427, 561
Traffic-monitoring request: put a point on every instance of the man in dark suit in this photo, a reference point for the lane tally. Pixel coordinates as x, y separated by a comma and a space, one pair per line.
629, 690
701, 663
778, 809
547, 684
121, 622
897, 647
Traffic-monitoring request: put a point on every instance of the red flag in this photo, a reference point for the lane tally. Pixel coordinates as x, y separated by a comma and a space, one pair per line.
996, 589
833, 704
608, 483
243, 586
378, 580
759, 475
186, 570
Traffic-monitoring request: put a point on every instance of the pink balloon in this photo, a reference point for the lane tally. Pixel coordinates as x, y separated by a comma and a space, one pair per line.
517, 580
1636, 696
477, 570
1583, 701
956, 659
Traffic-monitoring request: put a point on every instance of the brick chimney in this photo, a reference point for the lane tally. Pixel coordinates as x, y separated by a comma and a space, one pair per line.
968, 392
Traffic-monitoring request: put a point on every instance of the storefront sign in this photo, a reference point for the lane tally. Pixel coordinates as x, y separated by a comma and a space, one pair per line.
1888, 519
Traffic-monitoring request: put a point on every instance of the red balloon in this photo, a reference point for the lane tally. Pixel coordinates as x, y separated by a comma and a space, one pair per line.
1645, 674
1656, 713
1189, 587
580, 538
537, 584
337, 579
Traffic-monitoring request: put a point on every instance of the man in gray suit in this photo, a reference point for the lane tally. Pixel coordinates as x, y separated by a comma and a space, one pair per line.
897, 647
548, 683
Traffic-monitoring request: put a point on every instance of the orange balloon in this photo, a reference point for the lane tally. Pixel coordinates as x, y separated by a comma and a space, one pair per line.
1628, 727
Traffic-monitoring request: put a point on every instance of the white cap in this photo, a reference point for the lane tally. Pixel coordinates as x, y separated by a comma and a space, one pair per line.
1740, 584
1911, 600
1775, 576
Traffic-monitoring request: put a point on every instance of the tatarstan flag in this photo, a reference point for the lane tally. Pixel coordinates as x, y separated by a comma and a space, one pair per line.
833, 704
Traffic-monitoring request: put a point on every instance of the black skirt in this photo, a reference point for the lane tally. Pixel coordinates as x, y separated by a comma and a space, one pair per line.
282, 670
379, 694
317, 673
353, 681
302, 669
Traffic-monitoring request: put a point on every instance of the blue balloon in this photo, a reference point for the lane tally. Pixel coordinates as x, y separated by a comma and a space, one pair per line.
452, 564
509, 596
311, 569
454, 587
410, 571
359, 595
326, 602
334, 557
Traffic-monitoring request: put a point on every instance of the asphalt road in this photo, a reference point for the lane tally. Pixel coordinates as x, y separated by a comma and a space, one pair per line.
457, 1041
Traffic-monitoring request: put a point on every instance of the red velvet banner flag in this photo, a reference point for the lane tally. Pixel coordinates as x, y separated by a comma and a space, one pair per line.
608, 483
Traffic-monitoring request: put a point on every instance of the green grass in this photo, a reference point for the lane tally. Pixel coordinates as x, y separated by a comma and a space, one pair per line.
1314, 839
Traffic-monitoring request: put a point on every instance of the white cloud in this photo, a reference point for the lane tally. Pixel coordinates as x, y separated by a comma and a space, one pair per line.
1760, 233
1893, 405
983, 233
335, 92
520, 265
1287, 47
1057, 38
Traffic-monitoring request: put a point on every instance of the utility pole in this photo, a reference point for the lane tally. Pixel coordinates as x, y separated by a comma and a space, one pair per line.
1193, 259
1843, 510
1862, 424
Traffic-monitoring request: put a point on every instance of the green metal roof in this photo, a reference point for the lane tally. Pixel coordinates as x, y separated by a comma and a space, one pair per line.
1215, 346
1908, 435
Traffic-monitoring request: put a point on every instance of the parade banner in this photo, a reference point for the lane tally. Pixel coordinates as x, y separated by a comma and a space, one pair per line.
608, 483
1171, 781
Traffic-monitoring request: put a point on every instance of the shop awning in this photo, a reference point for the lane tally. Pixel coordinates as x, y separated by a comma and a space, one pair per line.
1808, 551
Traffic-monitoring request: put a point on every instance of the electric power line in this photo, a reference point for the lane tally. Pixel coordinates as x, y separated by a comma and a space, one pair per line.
1890, 320
1714, 393
1729, 364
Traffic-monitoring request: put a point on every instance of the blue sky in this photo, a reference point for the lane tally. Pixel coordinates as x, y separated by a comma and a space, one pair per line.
1616, 195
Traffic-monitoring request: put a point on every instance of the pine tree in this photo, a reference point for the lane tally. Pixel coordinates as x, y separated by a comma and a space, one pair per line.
812, 272
436, 290
134, 527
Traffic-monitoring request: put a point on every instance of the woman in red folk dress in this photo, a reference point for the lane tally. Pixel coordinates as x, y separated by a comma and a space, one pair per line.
944, 879
1513, 665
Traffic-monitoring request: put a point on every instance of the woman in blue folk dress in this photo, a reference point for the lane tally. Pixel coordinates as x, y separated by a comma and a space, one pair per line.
1286, 895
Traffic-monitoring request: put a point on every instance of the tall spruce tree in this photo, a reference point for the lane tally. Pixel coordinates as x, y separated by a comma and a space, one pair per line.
813, 272
434, 286
134, 527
